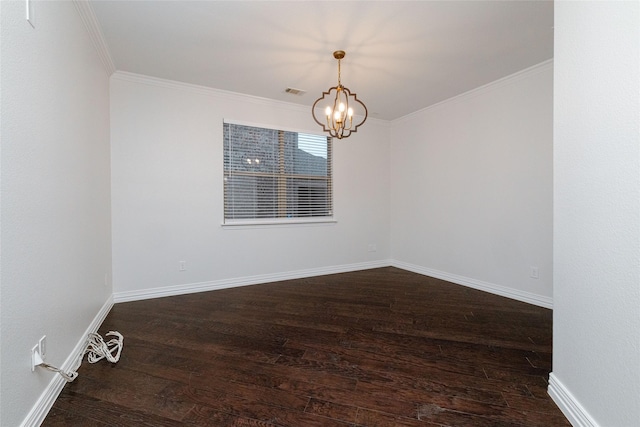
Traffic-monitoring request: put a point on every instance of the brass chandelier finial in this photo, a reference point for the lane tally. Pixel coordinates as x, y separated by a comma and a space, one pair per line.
339, 113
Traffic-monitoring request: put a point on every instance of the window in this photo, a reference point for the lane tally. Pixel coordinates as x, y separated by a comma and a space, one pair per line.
275, 175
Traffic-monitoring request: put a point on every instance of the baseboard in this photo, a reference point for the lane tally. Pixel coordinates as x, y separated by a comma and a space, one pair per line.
189, 288
241, 281
530, 298
48, 397
570, 407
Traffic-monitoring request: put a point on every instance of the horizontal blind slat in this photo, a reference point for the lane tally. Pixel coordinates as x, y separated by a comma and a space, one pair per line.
275, 174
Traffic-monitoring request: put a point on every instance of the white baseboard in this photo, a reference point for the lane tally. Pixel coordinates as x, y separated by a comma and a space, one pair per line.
570, 407
528, 297
46, 400
190, 288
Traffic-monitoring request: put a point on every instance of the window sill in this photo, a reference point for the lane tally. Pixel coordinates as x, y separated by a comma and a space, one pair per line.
243, 224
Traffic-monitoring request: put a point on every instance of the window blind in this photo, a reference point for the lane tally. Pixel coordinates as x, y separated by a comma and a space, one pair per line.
275, 174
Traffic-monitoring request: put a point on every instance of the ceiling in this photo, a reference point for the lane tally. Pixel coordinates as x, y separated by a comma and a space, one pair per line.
401, 56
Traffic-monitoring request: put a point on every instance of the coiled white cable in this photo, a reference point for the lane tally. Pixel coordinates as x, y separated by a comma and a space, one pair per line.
96, 349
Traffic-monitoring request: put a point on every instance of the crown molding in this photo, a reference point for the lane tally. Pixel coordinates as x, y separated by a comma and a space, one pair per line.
95, 33
193, 88
210, 91
535, 69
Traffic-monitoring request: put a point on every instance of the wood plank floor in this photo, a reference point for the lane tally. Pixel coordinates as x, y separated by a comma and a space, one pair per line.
381, 347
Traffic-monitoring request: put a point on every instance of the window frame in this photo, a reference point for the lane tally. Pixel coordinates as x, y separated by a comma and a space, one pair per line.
281, 222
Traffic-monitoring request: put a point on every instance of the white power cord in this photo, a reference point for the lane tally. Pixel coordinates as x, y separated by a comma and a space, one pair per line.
68, 376
97, 349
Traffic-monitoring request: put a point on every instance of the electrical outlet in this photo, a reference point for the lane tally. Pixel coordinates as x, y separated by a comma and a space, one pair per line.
372, 247
42, 346
36, 358
535, 274
182, 265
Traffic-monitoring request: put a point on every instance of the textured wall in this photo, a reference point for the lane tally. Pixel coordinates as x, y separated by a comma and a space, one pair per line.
596, 349
167, 166
55, 217
472, 187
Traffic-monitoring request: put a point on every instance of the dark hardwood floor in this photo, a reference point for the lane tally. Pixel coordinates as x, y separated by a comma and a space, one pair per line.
382, 347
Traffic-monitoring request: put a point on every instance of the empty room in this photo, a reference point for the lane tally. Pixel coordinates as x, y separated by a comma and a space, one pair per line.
320, 213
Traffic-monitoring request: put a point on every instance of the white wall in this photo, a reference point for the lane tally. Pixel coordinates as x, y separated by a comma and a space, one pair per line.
596, 342
167, 193
472, 187
55, 212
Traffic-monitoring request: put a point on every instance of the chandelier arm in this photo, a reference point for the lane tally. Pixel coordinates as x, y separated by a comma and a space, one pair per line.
330, 119
335, 125
366, 112
313, 110
347, 94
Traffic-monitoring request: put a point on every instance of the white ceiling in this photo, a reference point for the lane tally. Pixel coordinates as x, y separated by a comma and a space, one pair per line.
402, 56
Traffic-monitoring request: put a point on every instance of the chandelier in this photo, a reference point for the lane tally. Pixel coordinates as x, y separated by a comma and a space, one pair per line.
338, 117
